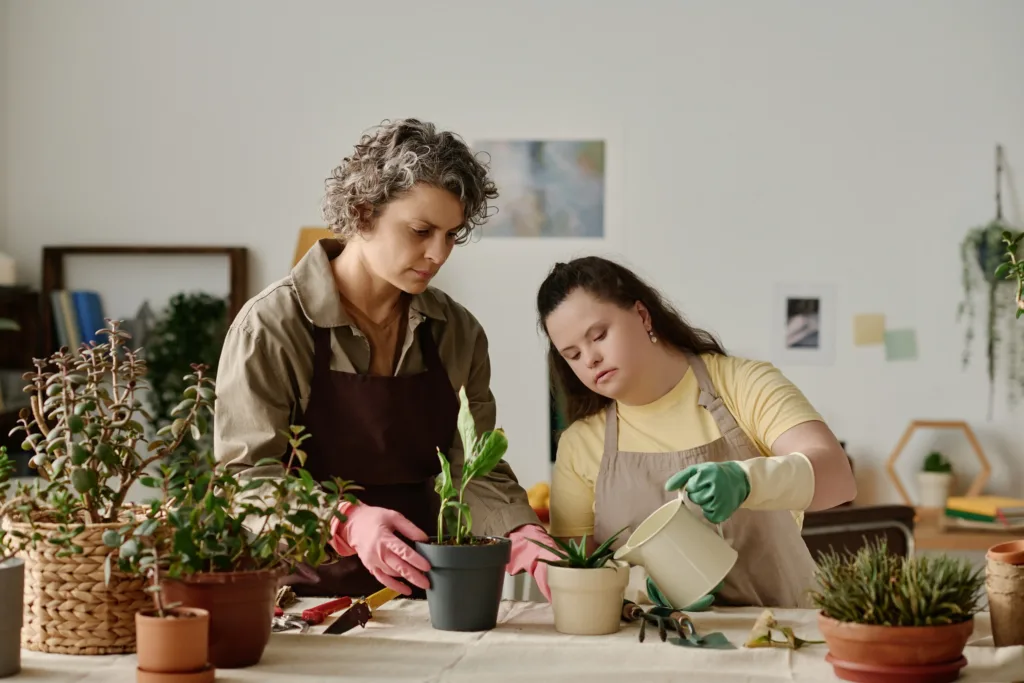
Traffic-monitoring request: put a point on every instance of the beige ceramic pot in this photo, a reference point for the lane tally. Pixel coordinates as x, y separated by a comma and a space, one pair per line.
588, 602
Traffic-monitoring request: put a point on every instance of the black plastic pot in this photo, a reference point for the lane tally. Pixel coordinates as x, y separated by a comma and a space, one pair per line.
466, 583
12, 596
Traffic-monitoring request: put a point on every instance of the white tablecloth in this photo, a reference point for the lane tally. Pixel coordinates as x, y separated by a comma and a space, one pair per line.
399, 645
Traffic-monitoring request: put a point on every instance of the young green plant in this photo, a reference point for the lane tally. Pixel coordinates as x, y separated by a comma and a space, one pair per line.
481, 455
573, 554
936, 462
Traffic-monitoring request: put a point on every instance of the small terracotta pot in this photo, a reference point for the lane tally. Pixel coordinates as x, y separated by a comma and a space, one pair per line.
1004, 585
895, 645
205, 675
176, 643
241, 607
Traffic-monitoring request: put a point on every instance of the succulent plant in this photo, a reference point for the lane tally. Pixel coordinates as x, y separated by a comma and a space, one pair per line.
876, 587
936, 462
573, 553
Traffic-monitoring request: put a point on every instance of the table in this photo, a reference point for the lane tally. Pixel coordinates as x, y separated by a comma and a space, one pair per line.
399, 645
933, 532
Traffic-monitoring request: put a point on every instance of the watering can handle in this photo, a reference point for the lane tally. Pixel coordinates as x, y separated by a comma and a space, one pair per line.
682, 492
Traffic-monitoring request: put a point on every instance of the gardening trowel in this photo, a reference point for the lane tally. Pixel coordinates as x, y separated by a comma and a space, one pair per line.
361, 611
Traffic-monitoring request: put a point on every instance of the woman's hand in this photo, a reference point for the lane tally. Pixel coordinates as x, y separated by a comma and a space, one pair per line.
370, 532
719, 488
527, 555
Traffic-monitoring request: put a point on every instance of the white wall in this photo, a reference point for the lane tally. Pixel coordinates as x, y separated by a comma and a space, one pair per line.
748, 142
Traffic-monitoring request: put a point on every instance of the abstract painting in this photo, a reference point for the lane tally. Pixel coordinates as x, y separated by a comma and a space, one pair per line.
547, 188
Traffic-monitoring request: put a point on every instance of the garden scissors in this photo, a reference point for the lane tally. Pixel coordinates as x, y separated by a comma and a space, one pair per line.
361, 611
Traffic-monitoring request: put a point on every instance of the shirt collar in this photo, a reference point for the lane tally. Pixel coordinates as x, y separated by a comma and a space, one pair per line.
318, 296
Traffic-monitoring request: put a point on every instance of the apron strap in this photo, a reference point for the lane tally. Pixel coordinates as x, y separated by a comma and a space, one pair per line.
321, 351
709, 398
611, 431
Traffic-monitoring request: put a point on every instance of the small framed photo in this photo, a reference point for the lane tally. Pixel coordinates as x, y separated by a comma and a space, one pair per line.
804, 324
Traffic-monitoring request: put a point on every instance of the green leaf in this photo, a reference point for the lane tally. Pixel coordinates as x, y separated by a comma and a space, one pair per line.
79, 455
443, 485
1003, 270
492, 450
184, 406
111, 538
75, 424
467, 426
129, 548
84, 480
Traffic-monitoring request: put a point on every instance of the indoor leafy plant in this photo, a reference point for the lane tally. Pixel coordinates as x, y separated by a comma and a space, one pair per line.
89, 449
222, 541
880, 612
191, 330
934, 480
587, 588
467, 571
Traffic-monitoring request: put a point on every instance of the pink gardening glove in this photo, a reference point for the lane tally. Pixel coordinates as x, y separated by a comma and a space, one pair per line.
527, 556
370, 533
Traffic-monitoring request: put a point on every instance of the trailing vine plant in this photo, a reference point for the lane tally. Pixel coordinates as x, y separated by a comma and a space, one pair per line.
983, 253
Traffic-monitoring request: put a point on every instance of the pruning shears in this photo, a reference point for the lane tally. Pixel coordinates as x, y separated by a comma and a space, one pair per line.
358, 612
361, 611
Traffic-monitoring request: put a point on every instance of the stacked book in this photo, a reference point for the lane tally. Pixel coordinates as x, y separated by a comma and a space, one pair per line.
986, 512
77, 316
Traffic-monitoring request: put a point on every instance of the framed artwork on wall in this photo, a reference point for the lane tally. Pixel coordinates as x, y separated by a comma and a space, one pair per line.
804, 324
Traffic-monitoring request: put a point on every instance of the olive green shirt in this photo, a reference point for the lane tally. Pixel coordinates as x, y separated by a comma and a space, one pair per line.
266, 368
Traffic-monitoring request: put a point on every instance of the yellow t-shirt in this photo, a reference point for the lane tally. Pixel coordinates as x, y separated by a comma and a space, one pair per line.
763, 401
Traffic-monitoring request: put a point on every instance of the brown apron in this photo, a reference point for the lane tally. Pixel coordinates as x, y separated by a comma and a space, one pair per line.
382, 433
774, 569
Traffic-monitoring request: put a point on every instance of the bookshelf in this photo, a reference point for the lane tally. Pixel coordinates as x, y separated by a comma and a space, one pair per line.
53, 273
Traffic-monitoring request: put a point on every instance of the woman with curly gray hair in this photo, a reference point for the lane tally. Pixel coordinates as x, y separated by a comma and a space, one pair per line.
357, 346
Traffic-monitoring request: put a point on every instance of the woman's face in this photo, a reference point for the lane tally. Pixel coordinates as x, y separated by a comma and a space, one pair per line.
604, 344
412, 237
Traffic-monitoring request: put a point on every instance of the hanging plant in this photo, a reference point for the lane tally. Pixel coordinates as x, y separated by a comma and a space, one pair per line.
983, 253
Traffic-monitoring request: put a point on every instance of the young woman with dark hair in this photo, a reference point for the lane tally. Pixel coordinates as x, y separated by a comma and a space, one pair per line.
656, 406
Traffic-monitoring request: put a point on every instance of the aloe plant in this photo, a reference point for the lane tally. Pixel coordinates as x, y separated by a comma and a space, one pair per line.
573, 553
482, 454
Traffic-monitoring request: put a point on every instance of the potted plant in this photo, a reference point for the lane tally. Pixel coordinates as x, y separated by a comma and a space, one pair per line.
172, 641
934, 481
225, 540
467, 572
587, 589
12, 580
884, 614
89, 448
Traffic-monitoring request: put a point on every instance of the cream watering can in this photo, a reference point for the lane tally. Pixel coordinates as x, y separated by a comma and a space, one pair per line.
681, 553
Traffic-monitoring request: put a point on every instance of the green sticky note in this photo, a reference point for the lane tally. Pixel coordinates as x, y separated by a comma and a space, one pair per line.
900, 345
712, 641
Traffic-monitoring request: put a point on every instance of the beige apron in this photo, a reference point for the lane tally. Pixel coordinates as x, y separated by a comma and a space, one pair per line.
774, 569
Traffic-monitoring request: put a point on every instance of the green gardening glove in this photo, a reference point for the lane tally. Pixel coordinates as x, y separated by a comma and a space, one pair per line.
659, 599
719, 488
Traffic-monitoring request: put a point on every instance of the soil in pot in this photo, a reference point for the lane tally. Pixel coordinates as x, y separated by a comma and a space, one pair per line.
466, 582
895, 646
241, 607
1004, 586
588, 602
178, 642
12, 596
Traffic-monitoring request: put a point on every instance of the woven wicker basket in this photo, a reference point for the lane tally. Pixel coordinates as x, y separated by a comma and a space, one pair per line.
69, 608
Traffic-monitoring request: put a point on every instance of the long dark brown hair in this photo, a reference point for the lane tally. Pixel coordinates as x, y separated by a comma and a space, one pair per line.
611, 282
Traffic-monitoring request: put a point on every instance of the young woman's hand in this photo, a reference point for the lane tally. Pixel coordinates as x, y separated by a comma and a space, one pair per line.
370, 532
527, 556
719, 488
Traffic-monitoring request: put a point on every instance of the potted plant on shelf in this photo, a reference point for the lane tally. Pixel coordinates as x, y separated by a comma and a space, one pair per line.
12, 579
934, 481
467, 572
587, 588
87, 443
225, 540
885, 614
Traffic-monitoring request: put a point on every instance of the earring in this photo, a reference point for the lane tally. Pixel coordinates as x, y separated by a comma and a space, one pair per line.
654, 339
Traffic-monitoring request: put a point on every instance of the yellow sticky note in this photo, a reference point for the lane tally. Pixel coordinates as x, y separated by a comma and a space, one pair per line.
868, 329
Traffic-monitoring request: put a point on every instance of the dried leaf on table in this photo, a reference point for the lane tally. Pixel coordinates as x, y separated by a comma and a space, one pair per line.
761, 634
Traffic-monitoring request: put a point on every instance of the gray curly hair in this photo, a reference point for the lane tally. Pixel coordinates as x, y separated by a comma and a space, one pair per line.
396, 155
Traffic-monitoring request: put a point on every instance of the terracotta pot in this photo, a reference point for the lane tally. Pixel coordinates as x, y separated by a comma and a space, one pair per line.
898, 646
588, 602
175, 643
241, 607
1004, 585
206, 675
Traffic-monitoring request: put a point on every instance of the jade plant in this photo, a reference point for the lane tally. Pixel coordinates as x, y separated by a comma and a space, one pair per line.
573, 553
85, 432
876, 587
481, 455
208, 517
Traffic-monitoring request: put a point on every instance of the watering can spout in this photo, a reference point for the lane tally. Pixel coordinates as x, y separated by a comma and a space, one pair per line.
627, 553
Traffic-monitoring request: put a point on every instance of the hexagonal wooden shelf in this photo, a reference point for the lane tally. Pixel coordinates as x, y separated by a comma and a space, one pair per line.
979, 481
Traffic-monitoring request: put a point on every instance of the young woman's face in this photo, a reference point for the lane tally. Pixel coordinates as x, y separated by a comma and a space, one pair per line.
413, 237
603, 343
